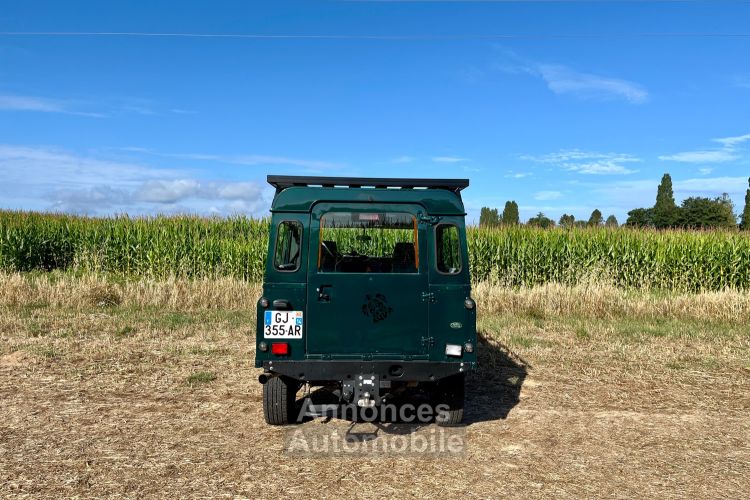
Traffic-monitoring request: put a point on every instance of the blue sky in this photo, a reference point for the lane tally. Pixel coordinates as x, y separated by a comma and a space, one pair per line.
561, 106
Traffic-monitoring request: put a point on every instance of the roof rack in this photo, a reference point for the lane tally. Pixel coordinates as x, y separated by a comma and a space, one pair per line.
281, 182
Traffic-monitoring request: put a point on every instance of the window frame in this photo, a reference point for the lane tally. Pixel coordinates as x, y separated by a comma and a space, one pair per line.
276, 246
458, 243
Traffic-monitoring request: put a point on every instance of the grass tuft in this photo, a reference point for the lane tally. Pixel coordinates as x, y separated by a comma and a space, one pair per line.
125, 331
199, 378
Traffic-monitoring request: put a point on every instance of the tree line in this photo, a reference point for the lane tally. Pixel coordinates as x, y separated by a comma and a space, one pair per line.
694, 212
489, 217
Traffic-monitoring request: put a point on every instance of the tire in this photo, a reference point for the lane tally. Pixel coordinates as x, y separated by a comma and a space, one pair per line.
279, 397
450, 392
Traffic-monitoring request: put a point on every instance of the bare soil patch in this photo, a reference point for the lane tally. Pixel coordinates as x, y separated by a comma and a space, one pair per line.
117, 401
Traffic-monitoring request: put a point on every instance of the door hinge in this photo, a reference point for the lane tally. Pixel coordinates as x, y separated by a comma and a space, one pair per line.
429, 297
428, 219
428, 342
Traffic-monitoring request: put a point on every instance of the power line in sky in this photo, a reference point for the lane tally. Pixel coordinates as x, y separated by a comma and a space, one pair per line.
299, 36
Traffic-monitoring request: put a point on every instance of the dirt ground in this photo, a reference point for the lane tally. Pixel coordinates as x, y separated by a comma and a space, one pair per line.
148, 402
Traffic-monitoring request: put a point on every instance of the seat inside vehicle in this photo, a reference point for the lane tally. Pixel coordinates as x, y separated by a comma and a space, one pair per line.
328, 255
404, 259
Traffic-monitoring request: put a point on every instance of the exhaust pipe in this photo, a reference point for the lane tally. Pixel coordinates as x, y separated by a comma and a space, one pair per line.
263, 378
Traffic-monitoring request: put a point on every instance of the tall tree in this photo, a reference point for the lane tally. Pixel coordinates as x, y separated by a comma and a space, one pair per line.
510, 215
611, 221
541, 220
567, 221
640, 217
700, 212
596, 218
666, 213
745, 221
488, 217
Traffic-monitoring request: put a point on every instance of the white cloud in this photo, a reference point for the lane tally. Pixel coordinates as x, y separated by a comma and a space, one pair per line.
26, 103
38, 166
727, 153
587, 162
517, 175
448, 159
609, 167
239, 191
11, 102
42, 178
731, 142
563, 80
40, 104
710, 187
244, 206
167, 191
705, 171
710, 156
82, 200
547, 195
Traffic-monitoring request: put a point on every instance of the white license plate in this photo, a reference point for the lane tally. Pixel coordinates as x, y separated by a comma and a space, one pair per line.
282, 325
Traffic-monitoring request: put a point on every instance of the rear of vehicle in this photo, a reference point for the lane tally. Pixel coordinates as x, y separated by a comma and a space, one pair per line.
366, 292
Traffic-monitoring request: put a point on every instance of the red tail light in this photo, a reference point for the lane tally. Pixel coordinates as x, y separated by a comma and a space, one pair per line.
280, 348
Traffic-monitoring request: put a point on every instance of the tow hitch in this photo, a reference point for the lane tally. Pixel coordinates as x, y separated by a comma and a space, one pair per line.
364, 390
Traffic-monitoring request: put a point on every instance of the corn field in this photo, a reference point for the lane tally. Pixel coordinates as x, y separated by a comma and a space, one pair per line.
195, 247
159, 247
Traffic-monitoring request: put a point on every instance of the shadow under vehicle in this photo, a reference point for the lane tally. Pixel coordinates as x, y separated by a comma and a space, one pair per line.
492, 390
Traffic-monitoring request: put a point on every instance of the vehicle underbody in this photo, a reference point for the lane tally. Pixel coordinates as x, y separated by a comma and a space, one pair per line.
351, 387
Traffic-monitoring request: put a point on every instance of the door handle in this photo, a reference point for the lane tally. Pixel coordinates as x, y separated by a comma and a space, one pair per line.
281, 304
322, 295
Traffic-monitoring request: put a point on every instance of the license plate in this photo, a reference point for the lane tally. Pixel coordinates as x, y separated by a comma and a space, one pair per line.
282, 325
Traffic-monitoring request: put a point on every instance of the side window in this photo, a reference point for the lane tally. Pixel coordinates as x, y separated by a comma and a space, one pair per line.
288, 244
448, 249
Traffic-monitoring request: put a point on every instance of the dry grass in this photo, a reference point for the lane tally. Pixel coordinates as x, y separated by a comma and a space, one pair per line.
593, 299
156, 397
603, 301
590, 300
65, 290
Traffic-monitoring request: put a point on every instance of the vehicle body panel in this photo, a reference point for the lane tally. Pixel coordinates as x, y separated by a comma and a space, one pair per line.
418, 313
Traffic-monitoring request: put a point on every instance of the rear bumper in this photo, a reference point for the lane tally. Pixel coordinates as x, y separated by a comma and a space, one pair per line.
328, 370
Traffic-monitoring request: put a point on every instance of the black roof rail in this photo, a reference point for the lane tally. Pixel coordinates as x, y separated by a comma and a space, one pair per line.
281, 182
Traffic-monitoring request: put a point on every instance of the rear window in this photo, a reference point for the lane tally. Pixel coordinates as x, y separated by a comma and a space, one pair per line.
288, 245
448, 249
373, 242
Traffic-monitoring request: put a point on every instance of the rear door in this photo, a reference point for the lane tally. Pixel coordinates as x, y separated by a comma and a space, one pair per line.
367, 282
450, 321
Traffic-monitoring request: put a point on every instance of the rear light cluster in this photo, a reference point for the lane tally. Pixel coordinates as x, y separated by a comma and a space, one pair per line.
457, 351
280, 348
277, 348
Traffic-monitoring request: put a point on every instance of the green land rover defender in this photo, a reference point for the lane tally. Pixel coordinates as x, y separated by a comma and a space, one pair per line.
366, 294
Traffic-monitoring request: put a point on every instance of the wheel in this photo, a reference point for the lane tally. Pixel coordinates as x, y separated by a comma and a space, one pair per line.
279, 396
450, 393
